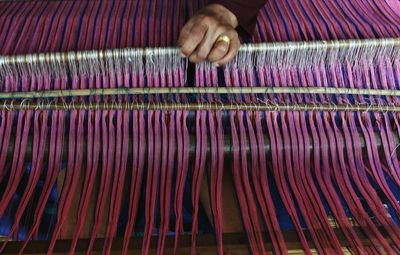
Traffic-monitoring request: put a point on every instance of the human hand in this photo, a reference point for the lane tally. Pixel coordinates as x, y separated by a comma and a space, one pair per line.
210, 35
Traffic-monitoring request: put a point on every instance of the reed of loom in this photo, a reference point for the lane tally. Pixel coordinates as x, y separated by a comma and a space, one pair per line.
333, 50
78, 100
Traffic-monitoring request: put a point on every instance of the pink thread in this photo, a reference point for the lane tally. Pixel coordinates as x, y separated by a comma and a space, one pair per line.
138, 159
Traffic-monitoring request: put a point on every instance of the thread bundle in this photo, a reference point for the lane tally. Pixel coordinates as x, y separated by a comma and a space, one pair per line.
315, 167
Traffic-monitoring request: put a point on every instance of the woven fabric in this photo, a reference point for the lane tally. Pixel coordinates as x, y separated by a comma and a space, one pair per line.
48, 26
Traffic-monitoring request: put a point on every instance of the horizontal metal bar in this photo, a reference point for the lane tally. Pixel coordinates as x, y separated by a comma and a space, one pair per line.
197, 90
127, 52
68, 106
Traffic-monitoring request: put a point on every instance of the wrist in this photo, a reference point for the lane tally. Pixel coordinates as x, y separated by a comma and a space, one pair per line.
222, 13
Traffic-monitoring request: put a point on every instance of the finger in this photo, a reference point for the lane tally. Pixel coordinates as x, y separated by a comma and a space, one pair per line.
233, 50
219, 51
193, 39
204, 48
185, 31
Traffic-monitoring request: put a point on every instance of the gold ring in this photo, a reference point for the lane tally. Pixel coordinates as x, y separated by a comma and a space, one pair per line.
223, 38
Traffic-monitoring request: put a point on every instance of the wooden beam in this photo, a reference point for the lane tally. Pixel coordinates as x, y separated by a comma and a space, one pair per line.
206, 244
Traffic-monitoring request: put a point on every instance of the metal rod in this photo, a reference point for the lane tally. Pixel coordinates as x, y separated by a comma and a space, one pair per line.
27, 105
127, 52
197, 90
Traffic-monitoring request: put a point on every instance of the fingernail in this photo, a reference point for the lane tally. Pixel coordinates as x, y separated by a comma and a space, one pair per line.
215, 64
182, 55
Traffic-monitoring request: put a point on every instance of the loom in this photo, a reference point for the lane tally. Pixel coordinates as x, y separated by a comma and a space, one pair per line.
111, 143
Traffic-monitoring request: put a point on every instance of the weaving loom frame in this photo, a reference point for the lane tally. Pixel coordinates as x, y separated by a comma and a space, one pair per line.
53, 83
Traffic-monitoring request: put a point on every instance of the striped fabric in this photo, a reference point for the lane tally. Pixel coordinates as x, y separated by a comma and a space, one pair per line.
49, 26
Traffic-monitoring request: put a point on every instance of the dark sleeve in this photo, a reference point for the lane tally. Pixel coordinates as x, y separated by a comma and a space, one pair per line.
246, 11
